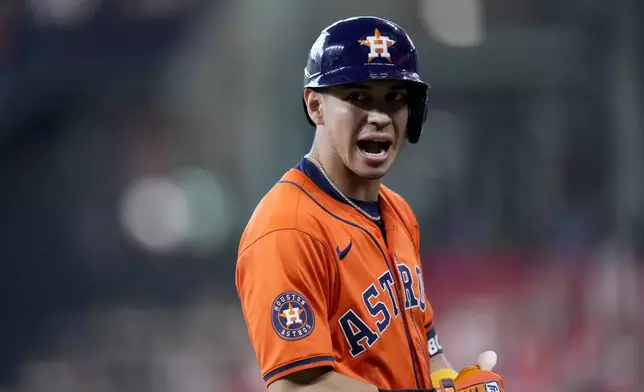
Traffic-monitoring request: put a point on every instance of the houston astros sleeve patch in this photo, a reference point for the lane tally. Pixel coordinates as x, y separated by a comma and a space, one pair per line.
292, 316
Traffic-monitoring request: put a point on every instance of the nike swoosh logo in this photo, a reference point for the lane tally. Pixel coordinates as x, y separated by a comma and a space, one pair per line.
343, 253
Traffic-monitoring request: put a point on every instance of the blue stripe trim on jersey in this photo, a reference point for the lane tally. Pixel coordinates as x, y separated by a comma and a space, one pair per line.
384, 255
295, 364
313, 172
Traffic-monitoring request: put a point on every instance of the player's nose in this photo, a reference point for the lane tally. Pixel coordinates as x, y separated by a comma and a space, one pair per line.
378, 119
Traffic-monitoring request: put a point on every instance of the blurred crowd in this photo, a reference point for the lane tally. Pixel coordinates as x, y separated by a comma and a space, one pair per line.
136, 136
557, 327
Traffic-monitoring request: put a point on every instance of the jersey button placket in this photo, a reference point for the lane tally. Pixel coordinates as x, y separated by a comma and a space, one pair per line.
420, 354
423, 355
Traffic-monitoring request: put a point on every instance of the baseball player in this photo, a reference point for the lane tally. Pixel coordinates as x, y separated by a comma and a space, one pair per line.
328, 272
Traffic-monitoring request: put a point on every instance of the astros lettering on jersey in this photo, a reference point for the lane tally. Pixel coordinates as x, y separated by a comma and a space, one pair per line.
322, 285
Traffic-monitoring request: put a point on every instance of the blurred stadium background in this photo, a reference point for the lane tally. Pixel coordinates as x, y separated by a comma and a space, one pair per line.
136, 136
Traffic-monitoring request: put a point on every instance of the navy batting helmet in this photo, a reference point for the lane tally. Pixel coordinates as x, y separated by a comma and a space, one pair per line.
368, 48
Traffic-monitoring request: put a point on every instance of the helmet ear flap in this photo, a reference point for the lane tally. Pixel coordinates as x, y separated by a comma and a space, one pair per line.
418, 109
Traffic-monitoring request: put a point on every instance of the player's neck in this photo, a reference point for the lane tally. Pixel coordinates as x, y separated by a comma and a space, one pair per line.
349, 183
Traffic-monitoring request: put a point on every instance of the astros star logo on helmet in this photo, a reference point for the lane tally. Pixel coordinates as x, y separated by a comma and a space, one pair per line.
379, 45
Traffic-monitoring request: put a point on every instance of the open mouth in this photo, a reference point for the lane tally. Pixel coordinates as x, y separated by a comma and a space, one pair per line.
374, 147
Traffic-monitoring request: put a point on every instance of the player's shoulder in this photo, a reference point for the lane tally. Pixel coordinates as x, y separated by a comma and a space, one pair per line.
285, 207
394, 202
396, 205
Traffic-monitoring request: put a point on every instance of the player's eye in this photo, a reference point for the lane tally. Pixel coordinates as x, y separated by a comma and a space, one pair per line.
357, 96
396, 96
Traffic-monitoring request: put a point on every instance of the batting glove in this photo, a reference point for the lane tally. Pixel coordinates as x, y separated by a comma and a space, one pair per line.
478, 378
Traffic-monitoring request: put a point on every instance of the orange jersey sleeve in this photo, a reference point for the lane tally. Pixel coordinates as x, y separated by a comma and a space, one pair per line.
283, 280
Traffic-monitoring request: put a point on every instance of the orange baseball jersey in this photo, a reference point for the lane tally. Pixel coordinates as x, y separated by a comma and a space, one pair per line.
320, 284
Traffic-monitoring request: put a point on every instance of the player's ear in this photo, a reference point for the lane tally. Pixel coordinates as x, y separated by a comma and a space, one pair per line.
313, 102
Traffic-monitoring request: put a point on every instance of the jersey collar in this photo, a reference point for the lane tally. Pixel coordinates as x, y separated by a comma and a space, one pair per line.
307, 167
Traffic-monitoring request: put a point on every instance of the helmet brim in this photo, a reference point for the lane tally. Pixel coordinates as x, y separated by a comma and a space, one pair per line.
357, 74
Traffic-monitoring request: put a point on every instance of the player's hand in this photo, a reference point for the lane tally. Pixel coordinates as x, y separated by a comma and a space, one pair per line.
480, 377
477, 378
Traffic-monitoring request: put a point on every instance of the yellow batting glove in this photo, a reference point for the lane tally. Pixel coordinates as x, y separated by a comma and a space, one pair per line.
443, 379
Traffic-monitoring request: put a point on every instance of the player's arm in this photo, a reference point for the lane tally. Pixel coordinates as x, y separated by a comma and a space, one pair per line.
286, 284
439, 365
320, 380
326, 380
439, 361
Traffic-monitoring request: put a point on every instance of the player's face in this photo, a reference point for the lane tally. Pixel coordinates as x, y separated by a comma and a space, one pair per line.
367, 125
